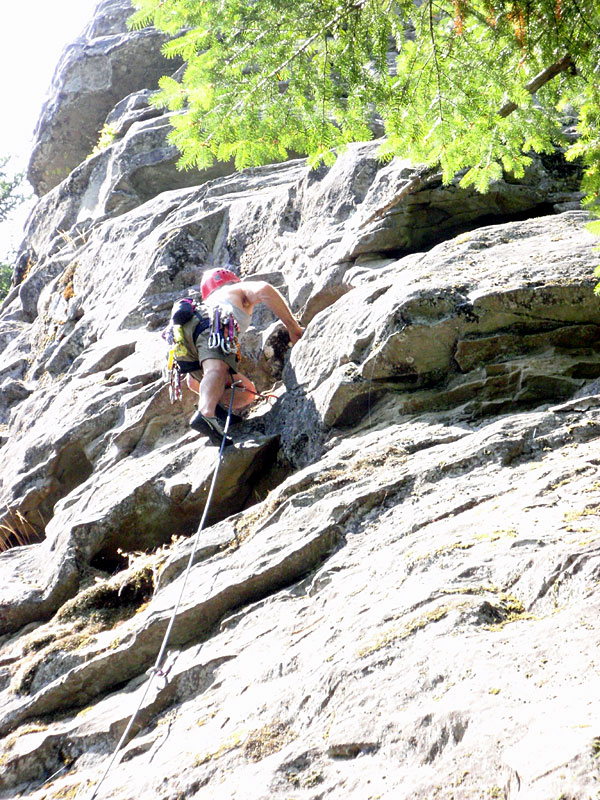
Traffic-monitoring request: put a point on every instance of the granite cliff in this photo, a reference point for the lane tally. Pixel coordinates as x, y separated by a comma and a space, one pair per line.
395, 594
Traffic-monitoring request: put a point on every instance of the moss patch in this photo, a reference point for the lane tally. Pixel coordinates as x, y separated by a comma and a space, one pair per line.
108, 602
392, 635
24, 678
231, 743
99, 607
267, 740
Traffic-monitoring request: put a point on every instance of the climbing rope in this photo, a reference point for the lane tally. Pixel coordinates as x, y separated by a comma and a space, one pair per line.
157, 670
272, 398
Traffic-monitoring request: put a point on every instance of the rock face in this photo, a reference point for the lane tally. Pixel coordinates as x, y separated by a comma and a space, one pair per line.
98, 70
393, 592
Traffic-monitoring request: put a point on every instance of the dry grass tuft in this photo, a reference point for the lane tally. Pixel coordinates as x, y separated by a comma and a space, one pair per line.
17, 531
66, 280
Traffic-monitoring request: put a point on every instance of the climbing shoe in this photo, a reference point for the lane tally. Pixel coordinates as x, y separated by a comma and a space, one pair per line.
221, 415
211, 427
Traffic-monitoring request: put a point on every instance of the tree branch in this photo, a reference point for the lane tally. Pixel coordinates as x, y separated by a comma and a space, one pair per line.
358, 4
565, 63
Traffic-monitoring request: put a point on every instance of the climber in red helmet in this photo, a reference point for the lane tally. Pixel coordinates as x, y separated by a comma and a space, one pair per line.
223, 290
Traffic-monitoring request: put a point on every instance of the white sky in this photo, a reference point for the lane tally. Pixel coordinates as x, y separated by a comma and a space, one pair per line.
34, 33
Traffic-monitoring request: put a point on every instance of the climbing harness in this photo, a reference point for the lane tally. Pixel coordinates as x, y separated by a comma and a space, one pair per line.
159, 669
223, 335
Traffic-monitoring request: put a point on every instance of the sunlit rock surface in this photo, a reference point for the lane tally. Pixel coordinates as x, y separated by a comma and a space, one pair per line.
104, 65
395, 591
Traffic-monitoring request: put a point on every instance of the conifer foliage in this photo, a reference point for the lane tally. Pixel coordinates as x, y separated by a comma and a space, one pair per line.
10, 197
472, 85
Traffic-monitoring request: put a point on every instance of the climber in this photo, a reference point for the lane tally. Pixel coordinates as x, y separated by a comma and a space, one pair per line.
231, 299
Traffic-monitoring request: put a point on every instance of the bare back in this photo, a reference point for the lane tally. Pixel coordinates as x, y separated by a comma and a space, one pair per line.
244, 295
247, 294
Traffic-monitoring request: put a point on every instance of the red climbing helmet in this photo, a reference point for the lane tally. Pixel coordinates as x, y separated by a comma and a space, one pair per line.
214, 278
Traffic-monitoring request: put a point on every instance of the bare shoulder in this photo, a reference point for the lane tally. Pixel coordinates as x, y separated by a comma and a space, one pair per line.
254, 290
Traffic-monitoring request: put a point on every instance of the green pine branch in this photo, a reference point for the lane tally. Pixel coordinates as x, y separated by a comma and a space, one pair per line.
475, 86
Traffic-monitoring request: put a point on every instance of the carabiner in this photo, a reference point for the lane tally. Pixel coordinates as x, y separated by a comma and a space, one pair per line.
214, 339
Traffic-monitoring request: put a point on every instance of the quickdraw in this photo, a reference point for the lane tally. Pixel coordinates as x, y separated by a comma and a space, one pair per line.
175, 392
173, 373
224, 331
214, 337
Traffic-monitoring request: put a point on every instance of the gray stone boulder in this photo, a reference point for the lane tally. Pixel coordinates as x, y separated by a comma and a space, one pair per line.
406, 209
11, 393
431, 563
136, 107
95, 73
110, 17
488, 321
427, 527
138, 167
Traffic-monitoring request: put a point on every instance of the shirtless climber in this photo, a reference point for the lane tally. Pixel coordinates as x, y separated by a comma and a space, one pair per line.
223, 289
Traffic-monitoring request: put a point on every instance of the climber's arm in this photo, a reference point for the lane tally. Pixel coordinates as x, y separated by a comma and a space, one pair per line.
262, 292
